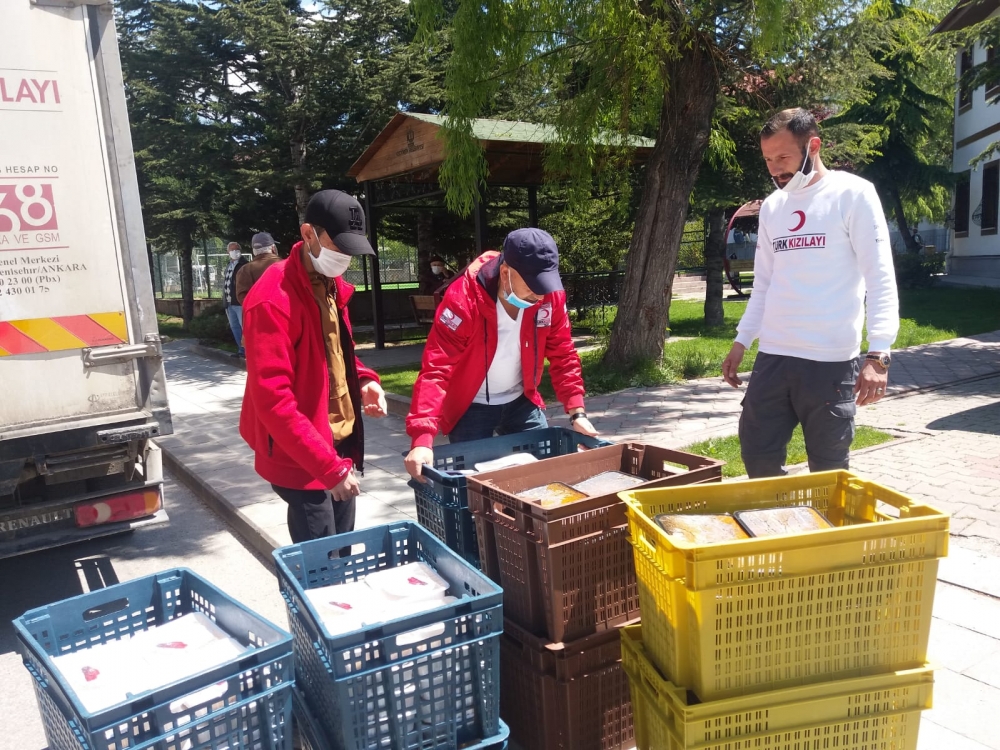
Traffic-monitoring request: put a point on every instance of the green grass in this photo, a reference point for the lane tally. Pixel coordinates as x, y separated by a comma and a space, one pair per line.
927, 315
728, 448
171, 326
400, 379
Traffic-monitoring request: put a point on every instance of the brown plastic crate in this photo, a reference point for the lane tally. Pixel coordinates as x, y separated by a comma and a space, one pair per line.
572, 696
568, 572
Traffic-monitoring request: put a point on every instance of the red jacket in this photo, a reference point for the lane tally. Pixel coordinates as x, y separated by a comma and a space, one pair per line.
463, 341
285, 417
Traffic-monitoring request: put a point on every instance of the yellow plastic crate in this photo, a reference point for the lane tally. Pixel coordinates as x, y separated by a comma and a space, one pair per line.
879, 712
739, 617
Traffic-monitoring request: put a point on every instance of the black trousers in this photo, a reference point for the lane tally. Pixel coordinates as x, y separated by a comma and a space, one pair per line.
786, 391
314, 514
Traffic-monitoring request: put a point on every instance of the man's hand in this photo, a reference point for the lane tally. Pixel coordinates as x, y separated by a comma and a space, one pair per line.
731, 365
584, 427
870, 387
415, 462
347, 488
373, 399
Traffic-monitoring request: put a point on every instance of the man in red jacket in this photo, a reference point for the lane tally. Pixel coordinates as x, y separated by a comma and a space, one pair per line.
484, 357
306, 389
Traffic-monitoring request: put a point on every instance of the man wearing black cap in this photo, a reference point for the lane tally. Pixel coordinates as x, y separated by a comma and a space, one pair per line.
306, 389
485, 354
265, 255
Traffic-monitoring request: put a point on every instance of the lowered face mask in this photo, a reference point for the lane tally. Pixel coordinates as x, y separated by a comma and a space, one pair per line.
521, 304
330, 263
800, 179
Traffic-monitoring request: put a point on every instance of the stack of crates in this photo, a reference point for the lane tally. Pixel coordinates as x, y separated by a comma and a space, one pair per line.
569, 585
815, 639
242, 704
442, 500
421, 682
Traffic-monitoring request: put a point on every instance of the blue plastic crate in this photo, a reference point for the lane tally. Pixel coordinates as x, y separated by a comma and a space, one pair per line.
380, 687
456, 527
442, 502
311, 735
250, 710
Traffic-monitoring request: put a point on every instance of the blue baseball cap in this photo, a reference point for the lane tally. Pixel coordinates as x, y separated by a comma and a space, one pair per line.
534, 255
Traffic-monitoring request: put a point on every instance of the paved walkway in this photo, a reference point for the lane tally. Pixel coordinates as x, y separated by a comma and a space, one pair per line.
944, 401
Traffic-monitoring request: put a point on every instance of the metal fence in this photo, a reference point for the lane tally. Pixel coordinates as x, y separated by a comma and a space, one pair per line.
397, 267
938, 237
208, 271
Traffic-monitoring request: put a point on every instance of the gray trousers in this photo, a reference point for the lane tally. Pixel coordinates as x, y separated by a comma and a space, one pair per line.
786, 391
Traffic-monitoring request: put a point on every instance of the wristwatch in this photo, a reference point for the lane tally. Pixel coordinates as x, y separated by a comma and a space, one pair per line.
576, 416
883, 359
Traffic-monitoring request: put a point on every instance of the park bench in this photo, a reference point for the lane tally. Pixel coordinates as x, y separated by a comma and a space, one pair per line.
424, 307
740, 274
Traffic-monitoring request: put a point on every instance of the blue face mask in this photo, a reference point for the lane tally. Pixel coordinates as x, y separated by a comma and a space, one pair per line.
517, 301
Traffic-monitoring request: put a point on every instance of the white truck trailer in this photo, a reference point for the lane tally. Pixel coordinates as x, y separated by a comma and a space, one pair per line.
82, 390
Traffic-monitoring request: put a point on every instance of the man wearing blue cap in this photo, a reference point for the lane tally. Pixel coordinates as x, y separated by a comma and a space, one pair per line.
486, 351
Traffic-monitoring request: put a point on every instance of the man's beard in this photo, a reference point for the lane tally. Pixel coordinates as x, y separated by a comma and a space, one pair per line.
782, 179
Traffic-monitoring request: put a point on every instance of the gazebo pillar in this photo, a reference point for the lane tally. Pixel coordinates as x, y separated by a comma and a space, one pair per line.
482, 228
532, 205
378, 311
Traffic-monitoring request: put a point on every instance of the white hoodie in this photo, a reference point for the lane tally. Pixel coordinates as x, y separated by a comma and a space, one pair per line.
818, 250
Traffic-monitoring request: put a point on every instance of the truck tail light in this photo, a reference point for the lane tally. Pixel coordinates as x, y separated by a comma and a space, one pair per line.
118, 508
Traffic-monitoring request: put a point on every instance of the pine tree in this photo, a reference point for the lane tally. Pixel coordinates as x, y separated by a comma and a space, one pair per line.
905, 114
174, 59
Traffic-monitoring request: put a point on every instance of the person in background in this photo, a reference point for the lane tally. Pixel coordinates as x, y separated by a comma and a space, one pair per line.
265, 255
440, 276
234, 310
306, 389
497, 324
823, 267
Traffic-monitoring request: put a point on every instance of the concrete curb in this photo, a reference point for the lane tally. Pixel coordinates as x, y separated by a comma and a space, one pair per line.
262, 542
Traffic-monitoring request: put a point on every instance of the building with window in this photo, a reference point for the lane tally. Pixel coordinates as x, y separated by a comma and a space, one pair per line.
976, 245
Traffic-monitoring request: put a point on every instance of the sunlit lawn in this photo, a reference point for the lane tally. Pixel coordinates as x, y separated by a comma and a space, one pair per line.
728, 448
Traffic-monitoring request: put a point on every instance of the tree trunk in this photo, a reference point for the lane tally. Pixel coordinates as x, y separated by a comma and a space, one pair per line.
187, 279
715, 253
904, 229
685, 122
302, 192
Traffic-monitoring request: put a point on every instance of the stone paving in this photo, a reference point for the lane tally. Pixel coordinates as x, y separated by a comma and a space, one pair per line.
945, 405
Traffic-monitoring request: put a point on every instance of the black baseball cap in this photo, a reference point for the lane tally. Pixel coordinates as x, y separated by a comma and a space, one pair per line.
534, 255
343, 219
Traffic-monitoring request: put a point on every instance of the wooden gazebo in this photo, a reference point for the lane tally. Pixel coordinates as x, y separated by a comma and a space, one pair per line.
401, 166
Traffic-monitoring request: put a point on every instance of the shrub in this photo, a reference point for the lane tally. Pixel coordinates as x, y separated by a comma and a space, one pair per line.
915, 271
212, 325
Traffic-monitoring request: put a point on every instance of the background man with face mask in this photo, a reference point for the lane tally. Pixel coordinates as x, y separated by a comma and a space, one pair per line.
496, 326
822, 257
234, 309
306, 390
265, 255
439, 278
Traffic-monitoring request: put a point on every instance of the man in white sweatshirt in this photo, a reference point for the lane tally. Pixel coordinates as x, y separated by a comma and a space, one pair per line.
822, 257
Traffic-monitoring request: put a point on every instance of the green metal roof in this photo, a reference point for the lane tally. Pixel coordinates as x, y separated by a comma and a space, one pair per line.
519, 132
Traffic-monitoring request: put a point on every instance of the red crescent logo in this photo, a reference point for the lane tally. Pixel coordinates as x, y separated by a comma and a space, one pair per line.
802, 220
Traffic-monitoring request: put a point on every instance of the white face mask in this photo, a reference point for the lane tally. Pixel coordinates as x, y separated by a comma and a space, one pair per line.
330, 263
437, 270
235, 254
800, 179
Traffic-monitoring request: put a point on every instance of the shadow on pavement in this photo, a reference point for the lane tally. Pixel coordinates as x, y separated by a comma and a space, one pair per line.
981, 419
